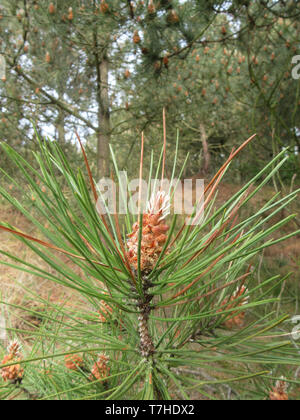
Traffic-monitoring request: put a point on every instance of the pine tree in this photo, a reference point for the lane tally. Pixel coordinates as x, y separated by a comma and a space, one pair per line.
108, 68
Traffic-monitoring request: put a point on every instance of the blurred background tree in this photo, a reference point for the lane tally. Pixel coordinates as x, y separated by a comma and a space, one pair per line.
106, 68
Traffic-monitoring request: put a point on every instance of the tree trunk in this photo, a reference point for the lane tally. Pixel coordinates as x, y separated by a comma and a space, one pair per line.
206, 154
60, 126
103, 135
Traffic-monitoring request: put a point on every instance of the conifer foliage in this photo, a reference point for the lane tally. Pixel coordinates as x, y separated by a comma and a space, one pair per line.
179, 310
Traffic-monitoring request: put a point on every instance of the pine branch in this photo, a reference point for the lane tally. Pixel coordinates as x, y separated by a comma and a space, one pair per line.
54, 101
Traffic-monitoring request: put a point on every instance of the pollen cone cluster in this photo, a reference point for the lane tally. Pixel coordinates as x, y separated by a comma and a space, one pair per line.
235, 320
154, 235
15, 372
279, 392
73, 362
100, 369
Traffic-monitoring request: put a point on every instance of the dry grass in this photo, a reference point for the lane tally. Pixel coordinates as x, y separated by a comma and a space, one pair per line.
13, 282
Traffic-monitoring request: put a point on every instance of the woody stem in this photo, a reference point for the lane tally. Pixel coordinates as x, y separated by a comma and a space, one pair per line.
144, 304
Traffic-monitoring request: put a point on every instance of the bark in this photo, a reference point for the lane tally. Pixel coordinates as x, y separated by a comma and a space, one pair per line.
103, 135
103, 131
60, 126
206, 154
147, 348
